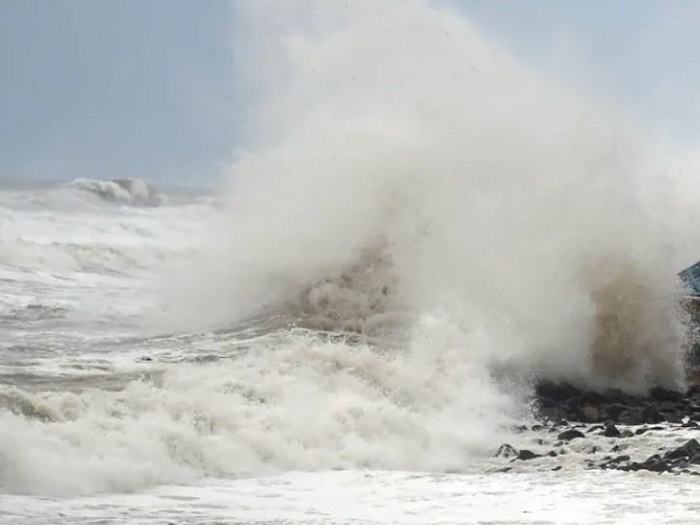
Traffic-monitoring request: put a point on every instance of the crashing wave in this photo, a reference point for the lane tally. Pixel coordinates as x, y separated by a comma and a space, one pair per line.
128, 191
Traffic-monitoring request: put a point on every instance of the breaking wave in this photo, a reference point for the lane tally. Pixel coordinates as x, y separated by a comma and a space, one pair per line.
519, 211
129, 191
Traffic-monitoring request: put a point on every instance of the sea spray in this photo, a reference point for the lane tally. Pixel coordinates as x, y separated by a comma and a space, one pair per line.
501, 201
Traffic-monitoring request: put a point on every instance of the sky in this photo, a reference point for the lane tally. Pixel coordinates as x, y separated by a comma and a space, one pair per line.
151, 89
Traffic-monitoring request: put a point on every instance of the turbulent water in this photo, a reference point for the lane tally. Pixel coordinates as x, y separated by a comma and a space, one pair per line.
422, 230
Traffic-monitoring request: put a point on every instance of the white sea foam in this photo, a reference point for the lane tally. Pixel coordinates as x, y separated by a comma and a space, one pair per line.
297, 403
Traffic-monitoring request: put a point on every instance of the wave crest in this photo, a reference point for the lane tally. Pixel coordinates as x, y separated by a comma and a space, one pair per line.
128, 191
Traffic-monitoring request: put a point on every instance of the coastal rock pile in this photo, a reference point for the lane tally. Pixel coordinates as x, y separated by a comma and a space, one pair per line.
606, 429
555, 402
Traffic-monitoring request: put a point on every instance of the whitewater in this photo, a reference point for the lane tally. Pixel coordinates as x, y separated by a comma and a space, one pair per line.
421, 229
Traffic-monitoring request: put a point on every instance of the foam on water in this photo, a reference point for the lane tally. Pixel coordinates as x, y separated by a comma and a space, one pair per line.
363, 498
296, 404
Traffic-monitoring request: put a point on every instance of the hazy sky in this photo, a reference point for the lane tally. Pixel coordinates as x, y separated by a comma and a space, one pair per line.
119, 88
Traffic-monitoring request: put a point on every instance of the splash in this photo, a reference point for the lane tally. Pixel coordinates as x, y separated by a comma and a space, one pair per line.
498, 199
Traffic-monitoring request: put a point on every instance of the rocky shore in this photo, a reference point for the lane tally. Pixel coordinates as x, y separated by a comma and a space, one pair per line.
657, 432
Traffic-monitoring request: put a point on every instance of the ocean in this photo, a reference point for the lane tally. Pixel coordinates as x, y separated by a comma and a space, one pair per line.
316, 410
422, 230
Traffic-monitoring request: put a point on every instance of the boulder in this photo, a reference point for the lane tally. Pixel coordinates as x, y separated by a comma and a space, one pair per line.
570, 434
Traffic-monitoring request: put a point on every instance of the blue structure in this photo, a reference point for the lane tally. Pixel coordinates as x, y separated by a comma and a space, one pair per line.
691, 278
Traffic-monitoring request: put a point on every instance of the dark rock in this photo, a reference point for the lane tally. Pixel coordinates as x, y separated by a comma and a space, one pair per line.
617, 396
525, 455
654, 463
687, 450
690, 424
592, 398
556, 391
611, 430
536, 427
661, 394
519, 429
568, 435
594, 428
614, 462
650, 414
612, 411
558, 467
573, 406
642, 430
673, 416
626, 433
631, 416
506, 451
552, 454
667, 406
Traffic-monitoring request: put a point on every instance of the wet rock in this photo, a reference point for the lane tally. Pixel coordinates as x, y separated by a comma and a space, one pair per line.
525, 455
662, 394
654, 463
556, 391
614, 462
675, 418
631, 416
642, 430
506, 451
611, 430
568, 435
594, 428
555, 469
626, 433
613, 411
687, 450
668, 406
650, 414
617, 396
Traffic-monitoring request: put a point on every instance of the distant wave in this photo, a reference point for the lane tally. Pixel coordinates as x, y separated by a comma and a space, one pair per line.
129, 191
